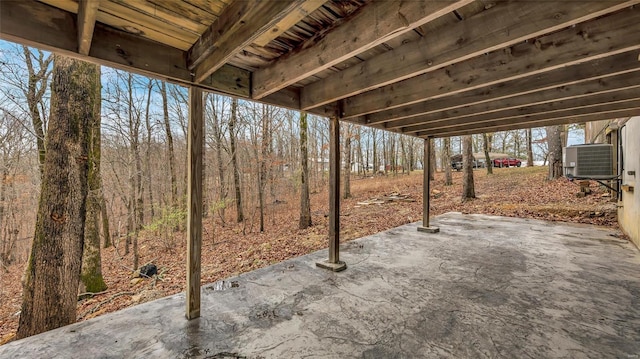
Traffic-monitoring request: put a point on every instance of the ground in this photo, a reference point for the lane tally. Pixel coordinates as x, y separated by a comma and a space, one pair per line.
484, 287
237, 248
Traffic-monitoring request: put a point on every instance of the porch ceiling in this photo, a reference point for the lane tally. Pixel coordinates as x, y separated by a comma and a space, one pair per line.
423, 68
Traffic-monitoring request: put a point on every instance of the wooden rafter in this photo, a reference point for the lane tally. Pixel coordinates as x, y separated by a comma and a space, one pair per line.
371, 26
289, 21
577, 106
576, 75
87, 13
592, 40
502, 25
470, 130
239, 25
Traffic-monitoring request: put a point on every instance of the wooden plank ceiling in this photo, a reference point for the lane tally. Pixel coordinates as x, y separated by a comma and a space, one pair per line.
423, 68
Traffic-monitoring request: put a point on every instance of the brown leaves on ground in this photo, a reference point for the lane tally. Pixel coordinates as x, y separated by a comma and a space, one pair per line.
236, 248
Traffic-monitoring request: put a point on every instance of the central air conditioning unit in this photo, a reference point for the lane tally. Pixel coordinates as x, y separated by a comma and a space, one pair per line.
594, 161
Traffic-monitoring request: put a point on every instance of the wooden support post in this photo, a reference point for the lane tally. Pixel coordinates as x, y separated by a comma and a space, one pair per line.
195, 144
334, 262
426, 191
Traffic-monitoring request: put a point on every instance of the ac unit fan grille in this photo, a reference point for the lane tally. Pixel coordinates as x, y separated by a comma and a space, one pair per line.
595, 161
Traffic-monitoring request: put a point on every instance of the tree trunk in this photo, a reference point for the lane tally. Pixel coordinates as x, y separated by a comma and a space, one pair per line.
554, 142
529, 148
468, 190
91, 275
105, 219
36, 88
305, 206
263, 175
347, 162
222, 185
432, 160
487, 159
172, 156
53, 271
447, 162
234, 160
147, 160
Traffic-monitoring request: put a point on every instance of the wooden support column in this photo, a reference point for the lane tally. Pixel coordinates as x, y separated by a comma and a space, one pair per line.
334, 262
195, 144
426, 191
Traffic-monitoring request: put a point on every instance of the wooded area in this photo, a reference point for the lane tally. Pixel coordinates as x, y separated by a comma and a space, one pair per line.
135, 154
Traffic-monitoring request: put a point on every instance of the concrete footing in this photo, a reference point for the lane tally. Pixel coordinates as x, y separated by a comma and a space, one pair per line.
430, 229
336, 267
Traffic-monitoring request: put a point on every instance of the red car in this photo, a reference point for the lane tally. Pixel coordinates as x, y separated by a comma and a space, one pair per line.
507, 162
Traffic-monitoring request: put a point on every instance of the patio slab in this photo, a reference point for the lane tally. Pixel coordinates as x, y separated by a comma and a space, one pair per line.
484, 286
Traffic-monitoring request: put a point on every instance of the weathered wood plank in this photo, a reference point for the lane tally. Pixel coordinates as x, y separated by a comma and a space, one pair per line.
371, 26
606, 36
502, 25
609, 86
36, 24
87, 12
576, 113
571, 75
612, 100
289, 21
541, 123
195, 144
237, 27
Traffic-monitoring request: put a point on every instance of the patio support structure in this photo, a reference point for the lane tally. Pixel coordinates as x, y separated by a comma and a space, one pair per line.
426, 182
334, 262
194, 200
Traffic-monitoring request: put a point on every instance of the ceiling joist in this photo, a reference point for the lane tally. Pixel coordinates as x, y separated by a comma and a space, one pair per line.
505, 24
87, 13
376, 23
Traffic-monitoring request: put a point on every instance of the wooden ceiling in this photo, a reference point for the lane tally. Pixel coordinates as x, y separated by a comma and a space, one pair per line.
423, 68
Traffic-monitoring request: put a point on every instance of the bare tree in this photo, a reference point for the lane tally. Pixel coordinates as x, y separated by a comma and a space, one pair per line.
91, 275
170, 146
447, 162
468, 190
347, 160
487, 158
554, 141
234, 160
305, 206
529, 148
53, 272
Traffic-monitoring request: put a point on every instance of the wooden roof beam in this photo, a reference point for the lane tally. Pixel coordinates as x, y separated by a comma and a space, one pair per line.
583, 89
472, 130
376, 23
606, 36
536, 118
33, 23
505, 24
292, 18
616, 65
583, 105
239, 25
87, 13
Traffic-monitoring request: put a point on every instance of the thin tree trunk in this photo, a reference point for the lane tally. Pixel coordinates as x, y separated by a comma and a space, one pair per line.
529, 148
262, 175
53, 271
487, 158
36, 87
147, 164
305, 205
234, 160
468, 190
347, 162
447, 162
169, 134
91, 275
554, 141
222, 186
105, 219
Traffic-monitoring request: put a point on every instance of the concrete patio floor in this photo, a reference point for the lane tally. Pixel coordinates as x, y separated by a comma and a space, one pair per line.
483, 287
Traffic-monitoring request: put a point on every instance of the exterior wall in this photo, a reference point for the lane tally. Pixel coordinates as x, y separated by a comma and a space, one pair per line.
594, 131
629, 210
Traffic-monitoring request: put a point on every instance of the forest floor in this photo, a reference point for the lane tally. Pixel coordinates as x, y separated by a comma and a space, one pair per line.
236, 248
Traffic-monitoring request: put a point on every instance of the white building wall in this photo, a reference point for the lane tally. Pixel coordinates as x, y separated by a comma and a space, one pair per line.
629, 206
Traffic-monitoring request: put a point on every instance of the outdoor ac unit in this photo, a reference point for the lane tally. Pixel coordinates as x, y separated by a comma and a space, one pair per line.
588, 161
